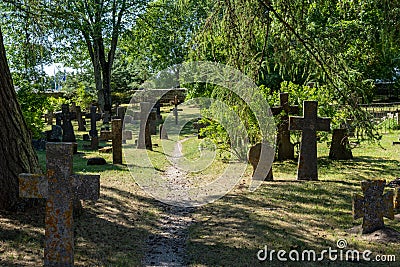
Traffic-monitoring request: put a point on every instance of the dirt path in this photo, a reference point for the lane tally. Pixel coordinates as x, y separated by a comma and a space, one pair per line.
167, 246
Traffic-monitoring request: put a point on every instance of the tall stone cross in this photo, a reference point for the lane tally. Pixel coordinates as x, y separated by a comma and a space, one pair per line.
94, 117
373, 206
144, 140
309, 124
285, 147
60, 188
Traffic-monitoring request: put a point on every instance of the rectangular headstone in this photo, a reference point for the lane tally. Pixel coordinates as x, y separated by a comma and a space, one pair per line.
117, 141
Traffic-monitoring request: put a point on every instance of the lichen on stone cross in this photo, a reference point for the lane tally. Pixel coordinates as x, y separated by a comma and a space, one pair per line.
373, 206
309, 124
60, 188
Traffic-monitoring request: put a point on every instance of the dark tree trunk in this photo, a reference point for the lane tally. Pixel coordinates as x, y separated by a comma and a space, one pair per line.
16, 151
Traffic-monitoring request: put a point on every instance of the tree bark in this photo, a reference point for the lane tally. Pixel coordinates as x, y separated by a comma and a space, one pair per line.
16, 151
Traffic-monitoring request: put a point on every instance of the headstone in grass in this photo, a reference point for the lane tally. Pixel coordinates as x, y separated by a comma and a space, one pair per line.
94, 117
309, 124
373, 206
105, 135
285, 147
144, 139
340, 146
80, 119
260, 170
117, 141
61, 189
163, 132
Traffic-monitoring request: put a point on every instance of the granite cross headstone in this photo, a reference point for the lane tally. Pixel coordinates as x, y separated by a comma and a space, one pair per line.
60, 188
373, 206
309, 124
285, 147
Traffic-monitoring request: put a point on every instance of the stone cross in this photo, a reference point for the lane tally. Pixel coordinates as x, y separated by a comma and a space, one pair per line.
285, 147
373, 206
68, 130
80, 119
60, 188
309, 124
117, 141
94, 117
144, 140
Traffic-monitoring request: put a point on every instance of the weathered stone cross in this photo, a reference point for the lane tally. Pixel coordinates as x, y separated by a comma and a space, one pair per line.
94, 117
60, 188
285, 147
310, 123
373, 206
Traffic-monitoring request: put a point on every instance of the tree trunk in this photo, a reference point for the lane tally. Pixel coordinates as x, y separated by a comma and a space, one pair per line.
16, 150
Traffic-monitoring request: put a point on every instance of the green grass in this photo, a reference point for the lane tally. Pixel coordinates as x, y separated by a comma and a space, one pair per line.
282, 214
286, 214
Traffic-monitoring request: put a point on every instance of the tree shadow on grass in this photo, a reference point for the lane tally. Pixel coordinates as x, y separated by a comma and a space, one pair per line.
110, 232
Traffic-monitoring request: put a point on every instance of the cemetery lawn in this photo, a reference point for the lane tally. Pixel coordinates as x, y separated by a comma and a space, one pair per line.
283, 214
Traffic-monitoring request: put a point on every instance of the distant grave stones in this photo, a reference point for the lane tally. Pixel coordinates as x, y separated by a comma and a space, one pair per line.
340, 145
60, 188
285, 147
373, 206
309, 124
260, 170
